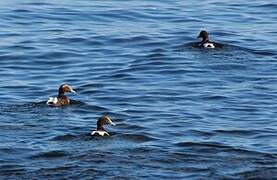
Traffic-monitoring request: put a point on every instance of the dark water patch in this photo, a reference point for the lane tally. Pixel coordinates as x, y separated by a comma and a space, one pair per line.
258, 173
266, 135
266, 5
118, 76
139, 138
249, 50
67, 40
130, 40
131, 127
21, 47
213, 147
74, 40
12, 57
153, 44
60, 172
59, 55
155, 56
11, 169
68, 137
14, 149
50, 155
243, 132
59, 169
38, 4
264, 53
229, 66
93, 43
215, 97
21, 11
158, 60
241, 109
202, 144
22, 107
86, 108
201, 133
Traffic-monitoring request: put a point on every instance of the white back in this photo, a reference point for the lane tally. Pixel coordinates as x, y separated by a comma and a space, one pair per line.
208, 45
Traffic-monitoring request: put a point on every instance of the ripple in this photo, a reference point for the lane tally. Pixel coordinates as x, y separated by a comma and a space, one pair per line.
131, 40
11, 169
258, 173
67, 137
210, 147
50, 155
224, 67
238, 132
137, 137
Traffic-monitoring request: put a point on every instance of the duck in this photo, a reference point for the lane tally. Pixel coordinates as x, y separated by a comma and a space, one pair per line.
206, 43
61, 99
100, 131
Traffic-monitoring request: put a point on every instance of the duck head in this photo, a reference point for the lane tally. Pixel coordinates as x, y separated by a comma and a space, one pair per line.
204, 35
65, 88
103, 121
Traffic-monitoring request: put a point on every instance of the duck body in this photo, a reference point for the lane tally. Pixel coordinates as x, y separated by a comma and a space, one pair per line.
206, 43
61, 99
100, 131
58, 101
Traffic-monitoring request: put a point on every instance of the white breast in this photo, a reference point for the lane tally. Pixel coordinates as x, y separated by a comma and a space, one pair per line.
208, 45
52, 100
100, 133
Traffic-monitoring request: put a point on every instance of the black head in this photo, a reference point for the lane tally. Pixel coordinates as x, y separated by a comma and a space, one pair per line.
65, 88
103, 121
204, 35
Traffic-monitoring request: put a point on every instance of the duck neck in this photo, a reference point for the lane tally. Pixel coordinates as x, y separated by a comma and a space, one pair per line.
205, 39
100, 127
61, 93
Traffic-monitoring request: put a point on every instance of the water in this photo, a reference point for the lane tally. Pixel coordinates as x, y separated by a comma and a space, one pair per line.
180, 112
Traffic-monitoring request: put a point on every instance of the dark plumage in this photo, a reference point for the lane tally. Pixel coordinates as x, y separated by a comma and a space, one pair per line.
61, 99
206, 43
100, 126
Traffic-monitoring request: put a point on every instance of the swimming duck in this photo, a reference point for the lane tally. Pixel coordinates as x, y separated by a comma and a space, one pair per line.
100, 131
61, 100
206, 43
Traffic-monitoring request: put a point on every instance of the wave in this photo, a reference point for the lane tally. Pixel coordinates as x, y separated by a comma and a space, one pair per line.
50, 154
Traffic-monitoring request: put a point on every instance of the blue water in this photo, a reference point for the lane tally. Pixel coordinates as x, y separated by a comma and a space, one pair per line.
181, 112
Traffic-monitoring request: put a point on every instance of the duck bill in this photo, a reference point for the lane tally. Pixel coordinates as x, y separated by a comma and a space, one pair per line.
73, 91
110, 121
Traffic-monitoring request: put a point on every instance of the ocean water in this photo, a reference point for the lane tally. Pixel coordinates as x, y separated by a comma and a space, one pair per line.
181, 112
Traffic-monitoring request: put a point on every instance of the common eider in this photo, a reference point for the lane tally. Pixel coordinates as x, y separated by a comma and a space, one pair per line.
61, 99
206, 43
100, 131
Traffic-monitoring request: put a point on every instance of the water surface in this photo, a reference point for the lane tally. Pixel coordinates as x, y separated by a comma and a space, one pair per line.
181, 112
